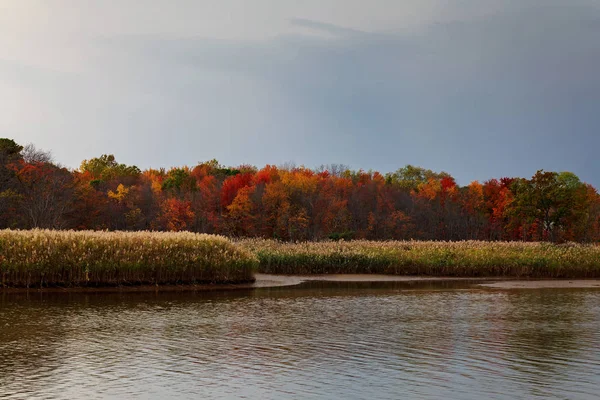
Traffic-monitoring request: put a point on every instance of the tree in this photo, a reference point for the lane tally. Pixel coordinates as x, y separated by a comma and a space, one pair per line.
89, 206
547, 202
106, 168
180, 181
498, 198
437, 208
473, 205
410, 177
277, 209
46, 193
291, 202
231, 186
9, 150
239, 213
32, 155
176, 215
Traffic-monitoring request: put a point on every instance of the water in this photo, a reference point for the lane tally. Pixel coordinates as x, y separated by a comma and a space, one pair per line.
317, 340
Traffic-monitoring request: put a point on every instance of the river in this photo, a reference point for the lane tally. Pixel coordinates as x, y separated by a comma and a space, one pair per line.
321, 340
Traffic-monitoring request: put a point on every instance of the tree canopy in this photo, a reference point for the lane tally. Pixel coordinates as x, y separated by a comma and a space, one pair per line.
291, 202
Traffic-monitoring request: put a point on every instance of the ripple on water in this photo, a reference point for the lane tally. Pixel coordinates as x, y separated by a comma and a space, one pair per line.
313, 341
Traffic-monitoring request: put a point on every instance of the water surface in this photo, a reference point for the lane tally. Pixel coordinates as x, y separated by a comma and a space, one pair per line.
321, 340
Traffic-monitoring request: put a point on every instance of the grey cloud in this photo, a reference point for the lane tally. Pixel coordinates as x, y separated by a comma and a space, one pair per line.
504, 92
325, 27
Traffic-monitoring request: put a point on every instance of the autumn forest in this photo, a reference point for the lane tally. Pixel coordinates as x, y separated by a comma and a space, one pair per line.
291, 203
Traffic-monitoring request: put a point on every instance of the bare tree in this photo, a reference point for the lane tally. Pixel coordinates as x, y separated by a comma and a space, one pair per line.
33, 155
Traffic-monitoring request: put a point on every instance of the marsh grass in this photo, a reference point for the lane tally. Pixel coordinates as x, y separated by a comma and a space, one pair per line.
457, 259
84, 258
40, 258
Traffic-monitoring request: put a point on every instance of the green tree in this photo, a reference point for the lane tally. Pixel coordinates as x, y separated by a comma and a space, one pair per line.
547, 200
9, 148
410, 177
106, 168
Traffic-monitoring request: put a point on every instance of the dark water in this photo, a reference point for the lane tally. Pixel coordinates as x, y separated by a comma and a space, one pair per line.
318, 340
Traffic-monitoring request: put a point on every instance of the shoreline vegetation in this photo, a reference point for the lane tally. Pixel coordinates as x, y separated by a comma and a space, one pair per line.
473, 259
45, 258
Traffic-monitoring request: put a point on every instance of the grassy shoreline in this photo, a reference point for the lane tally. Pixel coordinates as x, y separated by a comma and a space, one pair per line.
43, 258
84, 258
452, 259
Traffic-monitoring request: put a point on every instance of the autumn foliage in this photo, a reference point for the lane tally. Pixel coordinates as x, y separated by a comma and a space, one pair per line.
292, 203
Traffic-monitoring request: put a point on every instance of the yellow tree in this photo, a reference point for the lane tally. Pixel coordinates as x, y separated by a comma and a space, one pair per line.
239, 213
276, 205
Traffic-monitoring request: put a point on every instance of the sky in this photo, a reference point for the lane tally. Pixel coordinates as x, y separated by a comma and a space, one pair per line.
477, 88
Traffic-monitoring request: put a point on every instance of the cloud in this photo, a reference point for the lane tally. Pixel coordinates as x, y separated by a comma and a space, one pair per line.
332, 29
504, 89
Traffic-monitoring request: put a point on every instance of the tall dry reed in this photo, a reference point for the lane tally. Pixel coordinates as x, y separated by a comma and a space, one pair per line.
76, 258
466, 259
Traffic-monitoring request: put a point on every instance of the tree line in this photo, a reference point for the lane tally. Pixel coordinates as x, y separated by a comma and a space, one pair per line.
291, 203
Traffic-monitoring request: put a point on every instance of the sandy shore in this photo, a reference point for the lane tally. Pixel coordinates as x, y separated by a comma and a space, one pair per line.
545, 284
267, 280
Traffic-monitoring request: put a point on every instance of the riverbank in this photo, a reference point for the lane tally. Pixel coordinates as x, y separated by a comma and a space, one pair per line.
266, 281
271, 280
544, 284
473, 259
260, 281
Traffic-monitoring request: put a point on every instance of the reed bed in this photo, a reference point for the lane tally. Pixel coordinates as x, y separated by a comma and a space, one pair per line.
85, 258
457, 259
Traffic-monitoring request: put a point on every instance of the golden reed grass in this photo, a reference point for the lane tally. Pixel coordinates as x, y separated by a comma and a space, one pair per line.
459, 259
86, 258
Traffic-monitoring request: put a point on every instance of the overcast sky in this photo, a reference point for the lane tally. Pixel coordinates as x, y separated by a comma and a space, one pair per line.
477, 88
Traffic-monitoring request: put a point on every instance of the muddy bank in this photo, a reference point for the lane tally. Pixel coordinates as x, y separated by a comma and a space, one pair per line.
271, 281
262, 281
131, 288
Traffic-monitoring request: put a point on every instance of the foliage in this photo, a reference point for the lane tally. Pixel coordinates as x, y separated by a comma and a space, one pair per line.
106, 167
9, 149
335, 236
292, 203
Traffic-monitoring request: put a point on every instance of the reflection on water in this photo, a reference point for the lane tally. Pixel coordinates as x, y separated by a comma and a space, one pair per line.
318, 340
